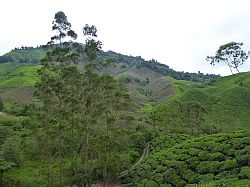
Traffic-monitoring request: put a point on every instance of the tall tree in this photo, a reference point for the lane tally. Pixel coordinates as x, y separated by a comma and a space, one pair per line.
63, 28
230, 54
52, 92
73, 104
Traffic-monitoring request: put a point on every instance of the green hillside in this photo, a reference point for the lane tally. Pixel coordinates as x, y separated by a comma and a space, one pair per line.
144, 78
226, 99
18, 75
26, 55
215, 160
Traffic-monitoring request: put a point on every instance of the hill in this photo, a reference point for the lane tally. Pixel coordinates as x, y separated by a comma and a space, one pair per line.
145, 79
215, 160
226, 100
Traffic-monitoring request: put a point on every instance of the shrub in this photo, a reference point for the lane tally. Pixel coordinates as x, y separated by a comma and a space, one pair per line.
151, 184
245, 173
228, 165
243, 159
158, 177
227, 174
203, 161
216, 156
214, 167
202, 167
190, 176
204, 155
206, 178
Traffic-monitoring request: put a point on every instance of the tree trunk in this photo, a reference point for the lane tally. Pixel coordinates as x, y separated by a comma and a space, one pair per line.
105, 168
60, 142
1, 179
230, 69
86, 154
47, 153
237, 70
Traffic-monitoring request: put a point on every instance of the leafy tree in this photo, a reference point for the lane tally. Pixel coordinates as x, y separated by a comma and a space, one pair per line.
73, 105
52, 92
63, 28
230, 54
114, 98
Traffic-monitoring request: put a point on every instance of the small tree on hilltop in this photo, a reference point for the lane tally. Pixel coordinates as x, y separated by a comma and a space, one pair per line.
231, 54
63, 27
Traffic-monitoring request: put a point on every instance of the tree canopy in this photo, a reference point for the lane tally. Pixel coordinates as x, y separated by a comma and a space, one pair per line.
231, 54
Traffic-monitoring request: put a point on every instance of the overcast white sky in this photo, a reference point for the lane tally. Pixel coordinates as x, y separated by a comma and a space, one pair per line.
179, 33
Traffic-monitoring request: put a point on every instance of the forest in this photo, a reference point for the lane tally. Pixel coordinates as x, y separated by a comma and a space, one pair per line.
74, 115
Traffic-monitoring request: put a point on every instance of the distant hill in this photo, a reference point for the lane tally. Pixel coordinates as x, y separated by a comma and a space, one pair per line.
145, 79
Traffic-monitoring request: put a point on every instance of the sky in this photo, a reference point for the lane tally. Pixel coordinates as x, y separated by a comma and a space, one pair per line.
179, 33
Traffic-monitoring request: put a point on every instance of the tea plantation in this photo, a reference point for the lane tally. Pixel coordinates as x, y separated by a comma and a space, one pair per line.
214, 160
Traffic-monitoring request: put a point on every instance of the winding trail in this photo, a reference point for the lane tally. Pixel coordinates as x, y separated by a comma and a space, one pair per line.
143, 156
117, 181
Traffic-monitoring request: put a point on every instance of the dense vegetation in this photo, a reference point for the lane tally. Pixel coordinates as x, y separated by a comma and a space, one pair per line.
226, 101
75, 132
215, 160
73, 115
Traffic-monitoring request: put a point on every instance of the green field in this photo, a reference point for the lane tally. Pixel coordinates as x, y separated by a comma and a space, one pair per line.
18, 75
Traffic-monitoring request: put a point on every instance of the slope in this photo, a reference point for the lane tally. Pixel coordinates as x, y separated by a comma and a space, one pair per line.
226, 99
143, 78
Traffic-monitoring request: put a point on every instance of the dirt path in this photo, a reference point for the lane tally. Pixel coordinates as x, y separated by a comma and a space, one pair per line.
144, 155
117, 182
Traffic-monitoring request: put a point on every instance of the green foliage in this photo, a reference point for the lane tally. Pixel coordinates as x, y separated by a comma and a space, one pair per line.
245, 173
167, 141
25, 55
79, 115
4, 166
225, 101
13, 108
148, 93
231, 54
18, 75
11, 150
195, 160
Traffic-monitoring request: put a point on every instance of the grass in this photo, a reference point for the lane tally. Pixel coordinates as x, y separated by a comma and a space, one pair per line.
18, 75
148, 107
227, 100
182, 86
27, 56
